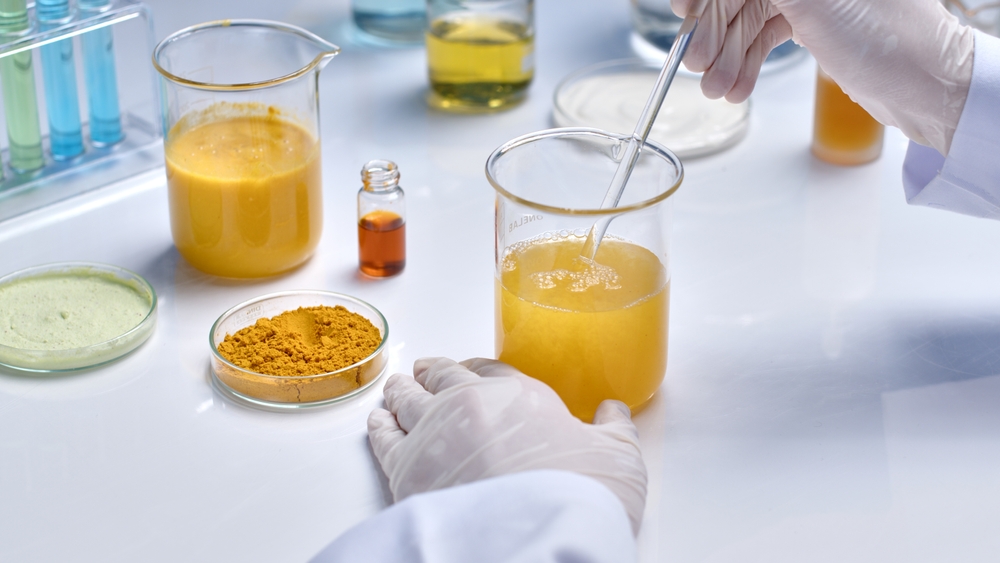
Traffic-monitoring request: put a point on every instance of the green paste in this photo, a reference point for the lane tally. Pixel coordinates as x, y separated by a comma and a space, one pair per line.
68, 310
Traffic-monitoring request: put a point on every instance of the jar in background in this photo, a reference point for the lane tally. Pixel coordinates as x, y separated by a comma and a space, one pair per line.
655, 21
983, 15
655, 27
381, 220
241, 140
396, 21
843, 132
480, 53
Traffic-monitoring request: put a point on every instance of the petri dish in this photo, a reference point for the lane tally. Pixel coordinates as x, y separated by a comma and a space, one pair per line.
282, 392
612, 94
73, 315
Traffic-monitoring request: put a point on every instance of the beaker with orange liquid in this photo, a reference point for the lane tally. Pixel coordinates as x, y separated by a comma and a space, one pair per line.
242, 146
592, 330
843, 132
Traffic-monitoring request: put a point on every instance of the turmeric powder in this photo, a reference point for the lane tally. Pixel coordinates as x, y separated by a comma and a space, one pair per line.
306, 341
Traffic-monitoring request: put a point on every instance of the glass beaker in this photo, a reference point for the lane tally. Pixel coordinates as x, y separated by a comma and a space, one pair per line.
241, 119
592, 330
843, 132
480, 53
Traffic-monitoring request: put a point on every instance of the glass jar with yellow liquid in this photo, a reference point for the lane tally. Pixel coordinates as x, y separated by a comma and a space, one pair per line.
590, 329
843, 132
241, 122
480, 53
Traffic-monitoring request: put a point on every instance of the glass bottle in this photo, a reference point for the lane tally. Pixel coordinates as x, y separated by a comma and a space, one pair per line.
843, 132
480, 53
396, 21
381, 220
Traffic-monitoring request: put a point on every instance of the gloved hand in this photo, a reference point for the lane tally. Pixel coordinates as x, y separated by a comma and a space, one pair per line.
907, 62
456, 423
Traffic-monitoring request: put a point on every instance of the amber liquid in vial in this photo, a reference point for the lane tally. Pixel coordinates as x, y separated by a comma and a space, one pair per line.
382, 244
843, 132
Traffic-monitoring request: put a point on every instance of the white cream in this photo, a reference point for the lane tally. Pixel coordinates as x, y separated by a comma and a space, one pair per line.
689, 124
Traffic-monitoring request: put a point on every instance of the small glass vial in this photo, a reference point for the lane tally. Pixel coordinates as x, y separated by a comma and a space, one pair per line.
843, 132
381, 220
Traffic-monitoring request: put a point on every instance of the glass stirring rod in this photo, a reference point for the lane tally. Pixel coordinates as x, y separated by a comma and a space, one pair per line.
646, 119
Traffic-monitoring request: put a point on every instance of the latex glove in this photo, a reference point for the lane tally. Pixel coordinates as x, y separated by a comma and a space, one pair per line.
456, 423
907, 62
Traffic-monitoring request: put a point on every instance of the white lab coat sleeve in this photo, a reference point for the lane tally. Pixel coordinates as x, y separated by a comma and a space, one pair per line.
968, 180
534, 516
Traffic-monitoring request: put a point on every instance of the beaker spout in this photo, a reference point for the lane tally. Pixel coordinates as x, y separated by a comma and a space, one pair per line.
326, 57
326, 50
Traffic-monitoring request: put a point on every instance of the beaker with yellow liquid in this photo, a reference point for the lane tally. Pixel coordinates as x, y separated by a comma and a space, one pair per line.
480, 53
241, 122
590, 329
843, 132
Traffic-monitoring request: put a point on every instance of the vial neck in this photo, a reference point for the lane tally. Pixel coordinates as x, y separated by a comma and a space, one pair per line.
380, 187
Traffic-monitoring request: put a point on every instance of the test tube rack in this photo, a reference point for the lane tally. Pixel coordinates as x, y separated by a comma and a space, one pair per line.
141, 147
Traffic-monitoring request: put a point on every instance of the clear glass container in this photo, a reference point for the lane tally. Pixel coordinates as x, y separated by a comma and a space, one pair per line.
655, 21
242, 144
655, 27
843, 132
395, 21
70, 359
277, 392
592, 330
381, 220
480, 53
983, 15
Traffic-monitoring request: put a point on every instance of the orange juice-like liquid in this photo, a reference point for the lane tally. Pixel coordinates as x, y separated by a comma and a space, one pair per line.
591, 332
245, 193
381, 244
843, 132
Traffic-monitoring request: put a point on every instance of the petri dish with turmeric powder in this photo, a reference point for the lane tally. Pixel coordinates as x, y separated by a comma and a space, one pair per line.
298, 349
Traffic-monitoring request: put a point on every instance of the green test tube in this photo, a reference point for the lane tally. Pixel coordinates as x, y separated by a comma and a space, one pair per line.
19, 99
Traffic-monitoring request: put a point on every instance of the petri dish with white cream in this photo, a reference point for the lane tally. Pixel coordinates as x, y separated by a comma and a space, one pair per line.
611, 95
73, 315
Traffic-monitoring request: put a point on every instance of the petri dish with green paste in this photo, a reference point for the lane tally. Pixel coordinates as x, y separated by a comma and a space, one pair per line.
73, 315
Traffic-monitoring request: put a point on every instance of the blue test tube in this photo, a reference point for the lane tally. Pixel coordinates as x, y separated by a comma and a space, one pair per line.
102, 84
59, 72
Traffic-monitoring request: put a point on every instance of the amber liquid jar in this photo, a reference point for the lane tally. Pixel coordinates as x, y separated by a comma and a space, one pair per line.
843, 132
381, 220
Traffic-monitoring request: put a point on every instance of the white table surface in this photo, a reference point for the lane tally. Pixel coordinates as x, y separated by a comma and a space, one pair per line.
833, 390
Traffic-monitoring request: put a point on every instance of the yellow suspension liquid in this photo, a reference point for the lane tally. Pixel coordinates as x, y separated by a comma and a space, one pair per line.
843, 132
591, 332
245, 193
478, 63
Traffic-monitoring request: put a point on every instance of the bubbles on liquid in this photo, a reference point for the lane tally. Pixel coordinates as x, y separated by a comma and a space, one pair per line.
585, 275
